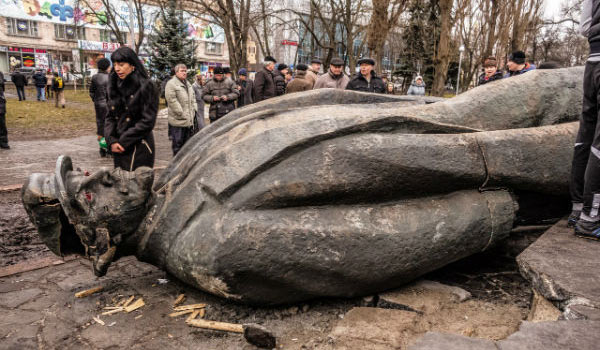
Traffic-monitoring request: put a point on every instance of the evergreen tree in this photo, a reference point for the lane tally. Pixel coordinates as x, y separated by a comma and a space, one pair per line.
170, 44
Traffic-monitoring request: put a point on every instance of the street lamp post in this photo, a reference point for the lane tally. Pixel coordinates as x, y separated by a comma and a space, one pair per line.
461, 49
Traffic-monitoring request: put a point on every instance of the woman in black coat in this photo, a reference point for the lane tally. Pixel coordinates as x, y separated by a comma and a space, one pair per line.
133, 106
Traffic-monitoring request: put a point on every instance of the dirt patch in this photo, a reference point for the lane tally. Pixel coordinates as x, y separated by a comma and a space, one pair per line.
19, 240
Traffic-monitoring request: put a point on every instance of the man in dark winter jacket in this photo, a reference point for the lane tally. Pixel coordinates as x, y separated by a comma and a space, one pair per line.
366, 80
20, 82
279, 79
585, 168
300, 82
246, 88
99, 95
516, 64
39, 80
264, 86
221, 93
3, 130
491, 72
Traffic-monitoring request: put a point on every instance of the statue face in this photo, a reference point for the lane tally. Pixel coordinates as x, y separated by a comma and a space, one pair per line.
88, 214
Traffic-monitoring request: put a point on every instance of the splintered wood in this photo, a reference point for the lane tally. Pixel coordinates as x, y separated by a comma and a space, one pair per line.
124, 305
135, 305
88, 292
219, 326
179, 300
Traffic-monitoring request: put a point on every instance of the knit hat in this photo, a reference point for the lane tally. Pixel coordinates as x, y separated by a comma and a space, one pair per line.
226, 70
270, 59
490, 62
218, 70
281, 66
242, 71
302, 66
336, 61
518, 57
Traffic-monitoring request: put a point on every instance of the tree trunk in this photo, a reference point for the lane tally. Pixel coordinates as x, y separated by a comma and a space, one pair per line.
442, 58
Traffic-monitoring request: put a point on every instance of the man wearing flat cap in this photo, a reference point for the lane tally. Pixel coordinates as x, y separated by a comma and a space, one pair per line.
220, 92
335, 77
264, 86
516, 64
312, 74
366, 80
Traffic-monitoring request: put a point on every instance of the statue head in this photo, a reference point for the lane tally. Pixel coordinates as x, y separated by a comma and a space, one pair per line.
93, 215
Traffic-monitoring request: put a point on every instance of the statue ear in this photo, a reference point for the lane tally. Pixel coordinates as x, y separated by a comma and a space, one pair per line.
144, 176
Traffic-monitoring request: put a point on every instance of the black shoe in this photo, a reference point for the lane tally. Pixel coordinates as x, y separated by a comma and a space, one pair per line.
102, 153
573, 218
6, 146
588, 229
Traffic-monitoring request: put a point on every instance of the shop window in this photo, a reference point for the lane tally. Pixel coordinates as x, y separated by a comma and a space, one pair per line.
109, 36
213, 48
62, 31
21, 27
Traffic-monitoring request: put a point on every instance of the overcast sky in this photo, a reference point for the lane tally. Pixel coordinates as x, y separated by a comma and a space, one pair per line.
552, 8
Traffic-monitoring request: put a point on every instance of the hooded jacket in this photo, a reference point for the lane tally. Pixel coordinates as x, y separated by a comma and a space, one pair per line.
280, 84
39, 80
181, 100
332, 81
300, 83
416, 89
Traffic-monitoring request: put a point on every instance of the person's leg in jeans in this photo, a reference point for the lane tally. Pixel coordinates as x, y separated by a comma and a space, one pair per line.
43, 93
20, 93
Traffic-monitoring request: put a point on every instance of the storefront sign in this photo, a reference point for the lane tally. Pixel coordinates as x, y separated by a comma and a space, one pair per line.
28, 59
92, 14
97, 46
41, 60
289, 42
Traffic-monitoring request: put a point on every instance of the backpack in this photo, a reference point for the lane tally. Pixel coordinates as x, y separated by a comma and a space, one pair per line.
59, 82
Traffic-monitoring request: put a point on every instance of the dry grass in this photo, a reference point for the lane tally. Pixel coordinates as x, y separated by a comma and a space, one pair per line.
32, 119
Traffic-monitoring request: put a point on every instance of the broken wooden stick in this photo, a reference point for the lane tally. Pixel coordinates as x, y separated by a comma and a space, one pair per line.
135, 305
193, 315
253, 333
128, 301
88, 292
98, 320
214, 325
179, 300
114, 311
189, 307
179, 313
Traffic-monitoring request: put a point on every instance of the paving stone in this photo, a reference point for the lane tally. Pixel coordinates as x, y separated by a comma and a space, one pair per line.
423, 296
16, 298
444, 341
559, 335
561, 266
372, 328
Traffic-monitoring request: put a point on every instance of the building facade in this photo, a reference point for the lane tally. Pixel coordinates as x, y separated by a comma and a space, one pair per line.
57, 36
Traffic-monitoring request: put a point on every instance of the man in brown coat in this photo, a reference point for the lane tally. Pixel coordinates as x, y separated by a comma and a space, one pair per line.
335, 78
313, 72
264, 86
300, 82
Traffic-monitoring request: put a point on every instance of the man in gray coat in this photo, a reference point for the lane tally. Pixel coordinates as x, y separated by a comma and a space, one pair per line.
221, 93
335, 77
181, 100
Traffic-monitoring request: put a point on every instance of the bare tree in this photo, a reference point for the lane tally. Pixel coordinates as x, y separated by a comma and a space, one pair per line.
111, 17
384, 17
442, 56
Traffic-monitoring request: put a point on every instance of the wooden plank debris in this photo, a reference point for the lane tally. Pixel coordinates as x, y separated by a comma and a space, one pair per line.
121, 309
88, 292
98, 320
189, 307
193, 315
179, 300
179, 313
135, 305
214, 325
128, 301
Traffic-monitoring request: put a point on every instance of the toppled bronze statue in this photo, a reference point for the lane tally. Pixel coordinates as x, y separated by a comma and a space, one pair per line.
280, 201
